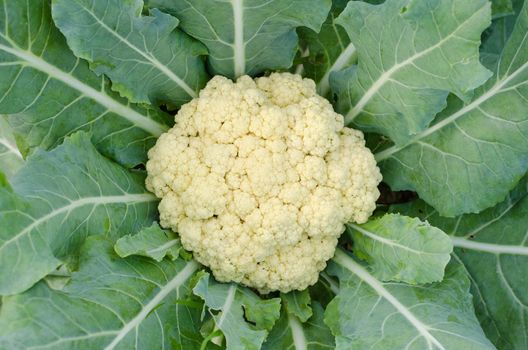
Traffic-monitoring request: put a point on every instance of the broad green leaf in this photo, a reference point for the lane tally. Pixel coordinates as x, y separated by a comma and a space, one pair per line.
328, 51
477, 148
110, 303
59, 198
370, 314
298, 304
411, 53
10, 157
147, 59
152, 242
495, 40
401, 248
4, 184
237, 306
501, 8
247, 36
496, 36
48, 93
290, 334
60, 277
493, 246
376, 142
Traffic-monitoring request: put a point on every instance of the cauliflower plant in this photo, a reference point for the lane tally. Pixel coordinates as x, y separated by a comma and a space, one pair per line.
259, 177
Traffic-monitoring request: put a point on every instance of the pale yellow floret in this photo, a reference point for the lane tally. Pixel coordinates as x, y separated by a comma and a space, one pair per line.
258, 177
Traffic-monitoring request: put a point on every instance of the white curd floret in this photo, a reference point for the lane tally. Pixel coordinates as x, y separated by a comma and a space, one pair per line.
258, 177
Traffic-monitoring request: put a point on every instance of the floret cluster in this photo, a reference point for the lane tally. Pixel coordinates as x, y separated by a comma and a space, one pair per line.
259, 177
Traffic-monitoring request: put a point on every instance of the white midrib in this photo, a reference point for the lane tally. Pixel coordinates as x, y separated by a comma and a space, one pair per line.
390, 242
489, 247
334, 287
239, 54
128, 198
385, 76
483, 98
162, 247
104, 100
11, 148
53, 344
345, 261
227, 305
461, 242
299, 339
157, 64
342, 61
189, 269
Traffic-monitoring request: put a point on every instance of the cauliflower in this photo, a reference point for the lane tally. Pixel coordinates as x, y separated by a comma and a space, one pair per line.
259, 177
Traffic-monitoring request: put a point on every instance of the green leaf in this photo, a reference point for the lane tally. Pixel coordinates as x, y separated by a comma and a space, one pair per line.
110, 303
479, 148
247, 37
298, 303
370, 314
4, 184
401, 248
243, 317
328, 51
48, 93
145, 57
59, 198
152, 242
411, 53
501, 8
290, 334
496, 36
10, 157
493, 246
59, 278
495, 40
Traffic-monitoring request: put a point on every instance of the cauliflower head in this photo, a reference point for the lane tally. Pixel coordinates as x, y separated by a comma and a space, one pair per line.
259, 176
